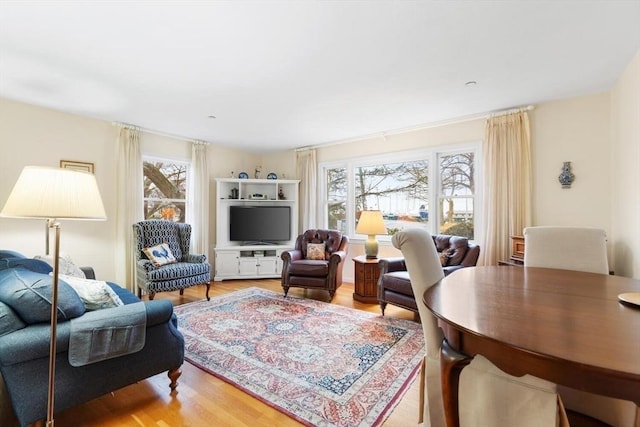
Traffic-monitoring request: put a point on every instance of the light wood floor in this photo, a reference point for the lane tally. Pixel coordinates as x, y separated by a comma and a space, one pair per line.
204, 400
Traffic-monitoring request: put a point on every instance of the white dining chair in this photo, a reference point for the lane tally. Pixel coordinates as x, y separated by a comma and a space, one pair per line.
579, 249
487, 396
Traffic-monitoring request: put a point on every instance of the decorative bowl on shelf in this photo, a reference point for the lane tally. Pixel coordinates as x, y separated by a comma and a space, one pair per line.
243, 175
272, 175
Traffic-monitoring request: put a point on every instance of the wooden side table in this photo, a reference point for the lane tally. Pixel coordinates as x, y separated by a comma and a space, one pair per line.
367, 273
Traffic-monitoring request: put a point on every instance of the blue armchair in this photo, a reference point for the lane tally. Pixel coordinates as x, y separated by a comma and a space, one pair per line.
187, 270
25, 334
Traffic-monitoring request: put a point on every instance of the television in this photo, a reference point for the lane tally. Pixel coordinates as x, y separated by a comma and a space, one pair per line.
259, 224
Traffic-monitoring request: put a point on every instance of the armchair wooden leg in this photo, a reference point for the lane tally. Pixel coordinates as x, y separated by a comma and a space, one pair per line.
207, 293
173, 375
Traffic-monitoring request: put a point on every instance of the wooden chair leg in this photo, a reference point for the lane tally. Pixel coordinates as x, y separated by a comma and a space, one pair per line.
451, 363
207, 293
173, 375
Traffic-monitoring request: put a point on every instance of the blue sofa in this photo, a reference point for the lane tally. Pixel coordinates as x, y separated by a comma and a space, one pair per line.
24, 343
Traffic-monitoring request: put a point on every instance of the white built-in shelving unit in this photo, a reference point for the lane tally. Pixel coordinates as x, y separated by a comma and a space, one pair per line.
237, 260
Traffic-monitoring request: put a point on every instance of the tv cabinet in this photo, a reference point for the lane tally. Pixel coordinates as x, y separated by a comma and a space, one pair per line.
239, 260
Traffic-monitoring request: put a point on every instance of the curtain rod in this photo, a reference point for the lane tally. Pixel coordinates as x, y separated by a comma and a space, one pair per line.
156, 132
463, 119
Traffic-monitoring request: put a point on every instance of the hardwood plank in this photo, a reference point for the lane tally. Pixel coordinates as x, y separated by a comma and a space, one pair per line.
204, 400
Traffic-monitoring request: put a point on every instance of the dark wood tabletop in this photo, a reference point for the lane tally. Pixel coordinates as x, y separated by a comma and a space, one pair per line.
564, 326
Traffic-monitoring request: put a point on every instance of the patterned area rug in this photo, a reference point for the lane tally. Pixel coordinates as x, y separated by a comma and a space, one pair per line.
322, 364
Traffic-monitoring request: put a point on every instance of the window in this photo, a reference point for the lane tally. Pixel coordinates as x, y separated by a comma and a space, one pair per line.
165, 189
457, 189
337, 198
408, 190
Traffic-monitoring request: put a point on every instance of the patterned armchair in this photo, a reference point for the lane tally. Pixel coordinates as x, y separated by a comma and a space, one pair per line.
187, 269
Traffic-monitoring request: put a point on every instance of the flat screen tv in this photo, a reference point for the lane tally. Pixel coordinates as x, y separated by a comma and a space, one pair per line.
259, 224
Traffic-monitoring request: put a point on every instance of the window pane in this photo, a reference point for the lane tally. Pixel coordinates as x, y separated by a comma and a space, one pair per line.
160, 209
456, 217
337, 184
165, 189
399, 190
338, 216
456, 194
337, 199
456, 172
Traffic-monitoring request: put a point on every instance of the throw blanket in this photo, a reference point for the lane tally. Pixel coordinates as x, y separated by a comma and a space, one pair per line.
108, 333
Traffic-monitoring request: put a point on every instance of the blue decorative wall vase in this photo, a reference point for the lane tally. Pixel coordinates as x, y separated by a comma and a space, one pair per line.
566, 178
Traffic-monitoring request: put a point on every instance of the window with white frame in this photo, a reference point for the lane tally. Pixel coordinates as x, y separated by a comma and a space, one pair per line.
434, 189
165, 189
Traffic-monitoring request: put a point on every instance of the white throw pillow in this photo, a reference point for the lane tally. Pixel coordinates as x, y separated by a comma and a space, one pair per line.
95, 294
160, 254
66, 265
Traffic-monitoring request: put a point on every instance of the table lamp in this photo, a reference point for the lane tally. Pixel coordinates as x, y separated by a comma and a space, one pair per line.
371, 224
53, 194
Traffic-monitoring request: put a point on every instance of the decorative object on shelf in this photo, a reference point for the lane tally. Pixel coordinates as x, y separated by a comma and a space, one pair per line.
78, 166
257, 172
281, 195
71, 193
566, 178
234, 193
232, 175
243, 175
371, 223
272, 175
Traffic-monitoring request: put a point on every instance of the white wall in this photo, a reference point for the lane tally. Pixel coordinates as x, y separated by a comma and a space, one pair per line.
597, 133
38, 136
625, 174
31, 135
575, 130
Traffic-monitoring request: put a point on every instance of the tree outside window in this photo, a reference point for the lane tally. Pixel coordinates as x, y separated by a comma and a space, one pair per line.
165, 189
457, 191
399, 190
336, 187
404, 192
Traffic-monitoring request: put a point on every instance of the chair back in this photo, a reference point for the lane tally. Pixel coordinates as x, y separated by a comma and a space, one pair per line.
566, 248
333, 239
579, 249
425, 270
152, 232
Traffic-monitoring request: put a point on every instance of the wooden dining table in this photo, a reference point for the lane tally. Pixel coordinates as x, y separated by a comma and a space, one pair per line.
564, 326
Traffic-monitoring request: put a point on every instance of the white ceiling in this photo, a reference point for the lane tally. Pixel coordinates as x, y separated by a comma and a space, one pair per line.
286, 74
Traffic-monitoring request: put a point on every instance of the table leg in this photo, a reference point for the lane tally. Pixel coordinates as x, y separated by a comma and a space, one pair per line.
451, 364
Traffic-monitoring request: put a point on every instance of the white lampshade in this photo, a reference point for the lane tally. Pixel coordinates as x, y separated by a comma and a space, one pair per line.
371, 223
42, 192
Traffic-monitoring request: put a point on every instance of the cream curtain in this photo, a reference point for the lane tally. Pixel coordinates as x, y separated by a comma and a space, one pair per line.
306, 169
507, 184
198, 209
129, 203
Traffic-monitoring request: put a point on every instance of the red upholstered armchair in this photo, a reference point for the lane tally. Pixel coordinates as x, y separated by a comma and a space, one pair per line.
316, 261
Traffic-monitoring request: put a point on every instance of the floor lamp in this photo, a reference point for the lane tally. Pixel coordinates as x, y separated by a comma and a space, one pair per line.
54, 194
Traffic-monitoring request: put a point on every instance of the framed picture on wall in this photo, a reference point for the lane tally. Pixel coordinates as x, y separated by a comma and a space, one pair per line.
79, 166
